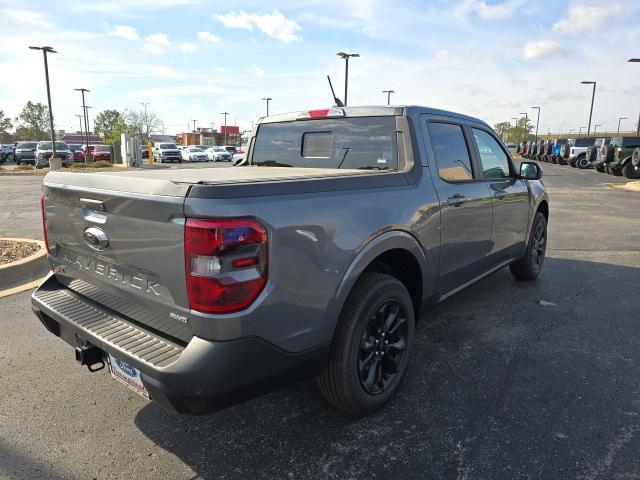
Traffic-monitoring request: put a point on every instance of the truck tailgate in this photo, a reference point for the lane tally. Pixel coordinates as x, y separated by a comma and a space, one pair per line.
140, 272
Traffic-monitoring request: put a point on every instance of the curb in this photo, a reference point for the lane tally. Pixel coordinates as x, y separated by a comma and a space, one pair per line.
25, 271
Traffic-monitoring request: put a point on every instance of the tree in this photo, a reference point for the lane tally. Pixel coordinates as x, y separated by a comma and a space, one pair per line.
143, 123
110, 124
521, 132
35, 120
5, 126
502, 129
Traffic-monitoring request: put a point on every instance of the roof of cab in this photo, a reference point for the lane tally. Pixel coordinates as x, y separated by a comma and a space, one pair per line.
376, 111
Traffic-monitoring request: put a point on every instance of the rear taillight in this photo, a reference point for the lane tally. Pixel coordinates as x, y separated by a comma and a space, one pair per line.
44, 224
321, 113
572, 151
226, 263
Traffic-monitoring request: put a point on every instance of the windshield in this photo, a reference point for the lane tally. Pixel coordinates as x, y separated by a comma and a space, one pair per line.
358, 142
27, 145
74, 148
195, 149
47, 146
168, 146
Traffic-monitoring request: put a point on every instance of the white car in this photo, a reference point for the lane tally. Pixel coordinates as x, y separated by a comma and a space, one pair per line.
194, 154
218, 154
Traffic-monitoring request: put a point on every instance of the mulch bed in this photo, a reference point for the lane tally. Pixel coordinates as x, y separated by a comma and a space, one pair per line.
10, 250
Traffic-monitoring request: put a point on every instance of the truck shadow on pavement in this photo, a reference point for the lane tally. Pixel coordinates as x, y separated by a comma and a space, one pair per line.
500, 386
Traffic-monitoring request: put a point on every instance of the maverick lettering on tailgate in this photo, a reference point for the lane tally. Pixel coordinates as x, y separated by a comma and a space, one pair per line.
111, 273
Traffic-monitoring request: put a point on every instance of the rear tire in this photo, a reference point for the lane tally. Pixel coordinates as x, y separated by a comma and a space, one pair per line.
529, 266
616, 172
582, 162
631, 172
363, 372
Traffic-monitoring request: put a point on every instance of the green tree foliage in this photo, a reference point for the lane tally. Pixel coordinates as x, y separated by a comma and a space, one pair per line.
502, 129
521, 131
34, 120
110, 124
5, 126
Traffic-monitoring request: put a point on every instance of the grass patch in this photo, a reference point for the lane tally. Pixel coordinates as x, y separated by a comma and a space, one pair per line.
98, 164
25, 167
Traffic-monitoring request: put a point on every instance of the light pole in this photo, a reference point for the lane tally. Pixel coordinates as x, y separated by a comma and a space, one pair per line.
595, 127
80, 118
619, 120
593, 94
88, 124
388, 92
580, 132
526, 124
346, 56
571, 130
537, 121
515, 123
46, 50
636, 60
225, 125
84, 112
267, 99
146, 120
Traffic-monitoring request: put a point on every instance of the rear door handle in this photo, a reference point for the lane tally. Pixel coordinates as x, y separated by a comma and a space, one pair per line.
456, 200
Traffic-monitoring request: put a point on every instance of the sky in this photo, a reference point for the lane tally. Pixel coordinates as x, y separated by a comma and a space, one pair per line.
193, 59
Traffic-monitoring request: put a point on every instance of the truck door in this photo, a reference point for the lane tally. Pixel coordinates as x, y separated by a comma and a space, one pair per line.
510, 196
465, 205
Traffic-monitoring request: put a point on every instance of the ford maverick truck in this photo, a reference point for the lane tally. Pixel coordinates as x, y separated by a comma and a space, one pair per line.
200, 288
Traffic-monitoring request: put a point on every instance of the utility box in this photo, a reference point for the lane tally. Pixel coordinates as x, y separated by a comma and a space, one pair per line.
130, 150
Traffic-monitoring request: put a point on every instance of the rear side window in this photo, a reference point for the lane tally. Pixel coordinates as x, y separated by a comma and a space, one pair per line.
356, 142
452, 155
495, 163
629, 142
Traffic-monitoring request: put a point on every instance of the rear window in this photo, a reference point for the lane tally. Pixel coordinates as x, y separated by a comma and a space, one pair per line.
583, 142
631, 142
358, 142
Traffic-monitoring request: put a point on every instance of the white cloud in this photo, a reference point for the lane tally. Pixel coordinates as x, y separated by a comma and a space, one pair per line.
256, 70
542, 48
220, 70
156, 43
208, 36
489, 11
586, 18
188, 48
164, 72
29, 17
273, 24
123, 31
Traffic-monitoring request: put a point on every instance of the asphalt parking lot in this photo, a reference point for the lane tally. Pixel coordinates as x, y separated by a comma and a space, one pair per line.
509, 379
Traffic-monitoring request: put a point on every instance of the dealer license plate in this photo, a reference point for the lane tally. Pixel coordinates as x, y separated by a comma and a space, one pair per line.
125, 373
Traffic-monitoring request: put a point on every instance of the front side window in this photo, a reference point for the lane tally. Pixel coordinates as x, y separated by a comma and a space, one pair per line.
495, 163
452, 155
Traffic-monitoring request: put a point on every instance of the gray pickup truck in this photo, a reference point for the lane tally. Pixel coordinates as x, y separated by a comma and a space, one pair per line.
200, 288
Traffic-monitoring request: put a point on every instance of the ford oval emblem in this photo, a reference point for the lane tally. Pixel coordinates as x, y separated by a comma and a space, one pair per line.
96, 238
126, 368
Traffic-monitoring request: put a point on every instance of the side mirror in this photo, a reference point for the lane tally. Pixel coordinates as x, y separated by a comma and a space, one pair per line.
530, 171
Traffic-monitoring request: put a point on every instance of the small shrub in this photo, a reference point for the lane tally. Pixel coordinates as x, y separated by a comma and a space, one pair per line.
103, 164
24, 167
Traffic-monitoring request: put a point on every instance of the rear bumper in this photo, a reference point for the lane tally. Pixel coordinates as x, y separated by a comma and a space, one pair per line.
200, 377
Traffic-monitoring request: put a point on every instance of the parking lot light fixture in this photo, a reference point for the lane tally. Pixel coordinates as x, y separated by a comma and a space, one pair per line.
46, 50
619, 120
80, 118
580, 132
571, 130
593, 94
595, 127
267, 99
388, 92
537, 121
346, 57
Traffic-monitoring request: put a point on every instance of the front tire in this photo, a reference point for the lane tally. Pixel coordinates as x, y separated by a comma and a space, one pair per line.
529, 266
631, 172
582, 162
371, 347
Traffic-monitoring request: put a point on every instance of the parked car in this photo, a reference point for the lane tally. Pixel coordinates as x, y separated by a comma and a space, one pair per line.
594, 152
144, 151
512, 147
216, 153
44, 152
194, 154
25, 153
6, 153
232, 149
575, 150
76, 152
102, 152
622, 164
548, 151
166, 152
555, 150
202, 288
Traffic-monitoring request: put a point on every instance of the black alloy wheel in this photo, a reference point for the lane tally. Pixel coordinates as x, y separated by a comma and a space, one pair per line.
382, 347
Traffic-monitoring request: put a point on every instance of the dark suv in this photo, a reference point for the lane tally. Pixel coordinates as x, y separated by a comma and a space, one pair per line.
26, 153
621, 163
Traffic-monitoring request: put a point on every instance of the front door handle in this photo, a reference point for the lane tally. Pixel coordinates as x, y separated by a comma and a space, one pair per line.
500, 194
456, 200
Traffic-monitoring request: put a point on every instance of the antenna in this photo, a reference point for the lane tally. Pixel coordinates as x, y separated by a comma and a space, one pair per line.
335, 99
